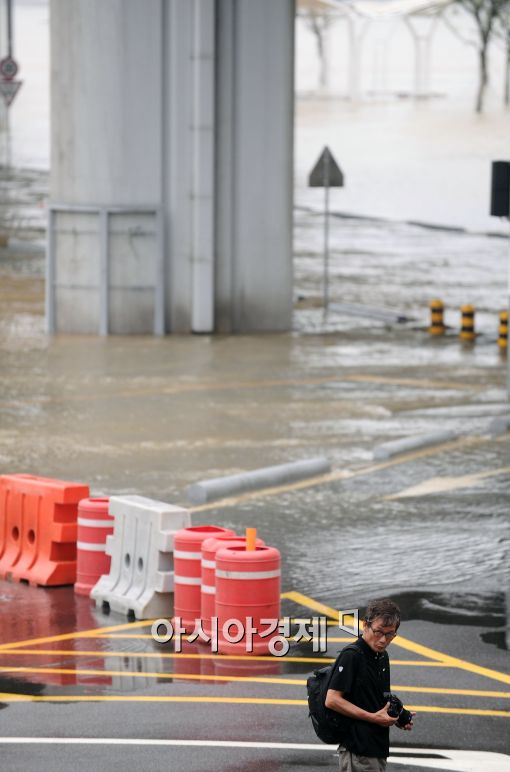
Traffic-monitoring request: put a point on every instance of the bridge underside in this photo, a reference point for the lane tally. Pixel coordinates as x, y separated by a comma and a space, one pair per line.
171, 166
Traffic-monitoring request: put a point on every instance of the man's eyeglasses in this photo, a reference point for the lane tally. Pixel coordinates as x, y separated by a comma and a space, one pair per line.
382, 634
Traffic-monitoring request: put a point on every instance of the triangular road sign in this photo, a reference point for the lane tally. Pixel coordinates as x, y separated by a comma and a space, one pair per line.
326, 173
9, 89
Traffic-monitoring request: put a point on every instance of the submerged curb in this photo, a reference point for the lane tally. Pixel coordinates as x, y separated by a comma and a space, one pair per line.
499, 425
393, 448
267, 477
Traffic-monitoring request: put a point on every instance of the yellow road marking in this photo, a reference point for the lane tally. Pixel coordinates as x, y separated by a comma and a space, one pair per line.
172, 676
105, 632
282, 681
459, 711
185, 388
407, 644
443, 484
331, 639
440, 690
6, 697
419, 384
92, 633
99, 654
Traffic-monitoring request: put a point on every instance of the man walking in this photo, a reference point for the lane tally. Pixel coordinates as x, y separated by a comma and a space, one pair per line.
357, 687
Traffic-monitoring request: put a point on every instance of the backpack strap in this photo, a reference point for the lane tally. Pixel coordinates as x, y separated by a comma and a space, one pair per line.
349, 647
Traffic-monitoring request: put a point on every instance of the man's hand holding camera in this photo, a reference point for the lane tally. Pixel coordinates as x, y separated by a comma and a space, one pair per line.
395, 708
383, 718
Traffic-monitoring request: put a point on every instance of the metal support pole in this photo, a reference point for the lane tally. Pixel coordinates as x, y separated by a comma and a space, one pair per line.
326, 247
9, 27
326, 233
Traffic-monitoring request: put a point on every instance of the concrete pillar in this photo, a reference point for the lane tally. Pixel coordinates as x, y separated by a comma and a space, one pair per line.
422, 29
254, 165
106, 149
171, 165
358, 27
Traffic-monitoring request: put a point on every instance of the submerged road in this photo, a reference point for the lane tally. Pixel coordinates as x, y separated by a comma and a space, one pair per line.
81, 689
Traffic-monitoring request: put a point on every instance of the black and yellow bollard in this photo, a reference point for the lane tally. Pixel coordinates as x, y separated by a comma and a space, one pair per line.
436, 317
503, 331
467, 331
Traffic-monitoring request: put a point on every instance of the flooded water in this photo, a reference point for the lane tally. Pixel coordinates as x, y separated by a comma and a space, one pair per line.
149, 416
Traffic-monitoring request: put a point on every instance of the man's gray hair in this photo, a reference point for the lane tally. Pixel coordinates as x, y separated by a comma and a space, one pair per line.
384, 608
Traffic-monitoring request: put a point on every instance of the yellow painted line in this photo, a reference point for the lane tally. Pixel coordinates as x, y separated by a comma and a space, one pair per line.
99, 654
424, 383
165, 655
6, 697
171, 676
331, 639
310, 482
312, 604
405, 643
459, 711
440, 690
72, 636
418, 663
455, 662
282, 681
342, 474
186, 388
105, 632
444, 484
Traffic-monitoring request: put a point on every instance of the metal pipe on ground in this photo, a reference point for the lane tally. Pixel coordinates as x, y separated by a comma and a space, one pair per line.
267, 477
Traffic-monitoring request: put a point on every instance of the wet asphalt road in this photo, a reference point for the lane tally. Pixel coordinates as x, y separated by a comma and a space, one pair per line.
151, 416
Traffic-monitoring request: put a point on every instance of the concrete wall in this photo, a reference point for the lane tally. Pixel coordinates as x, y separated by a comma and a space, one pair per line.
184, 106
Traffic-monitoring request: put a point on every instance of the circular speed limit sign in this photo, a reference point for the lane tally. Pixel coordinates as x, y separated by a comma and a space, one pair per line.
8, 68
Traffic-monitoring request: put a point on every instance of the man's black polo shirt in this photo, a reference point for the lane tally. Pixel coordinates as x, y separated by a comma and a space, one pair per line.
363, 678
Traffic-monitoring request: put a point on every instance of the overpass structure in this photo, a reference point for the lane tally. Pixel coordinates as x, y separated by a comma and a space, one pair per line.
171, 166
171, 158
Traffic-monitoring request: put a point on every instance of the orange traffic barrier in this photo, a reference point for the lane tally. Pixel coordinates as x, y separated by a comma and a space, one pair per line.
247, 591
94, 525
38, 529
208, 588
188, 571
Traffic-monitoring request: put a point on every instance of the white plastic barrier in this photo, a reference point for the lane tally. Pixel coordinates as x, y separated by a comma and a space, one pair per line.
141, 577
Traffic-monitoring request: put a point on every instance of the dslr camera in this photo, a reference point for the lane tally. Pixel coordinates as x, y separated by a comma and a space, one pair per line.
397, 710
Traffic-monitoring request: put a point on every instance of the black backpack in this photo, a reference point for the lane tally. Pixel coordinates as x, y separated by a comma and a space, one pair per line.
329, 726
